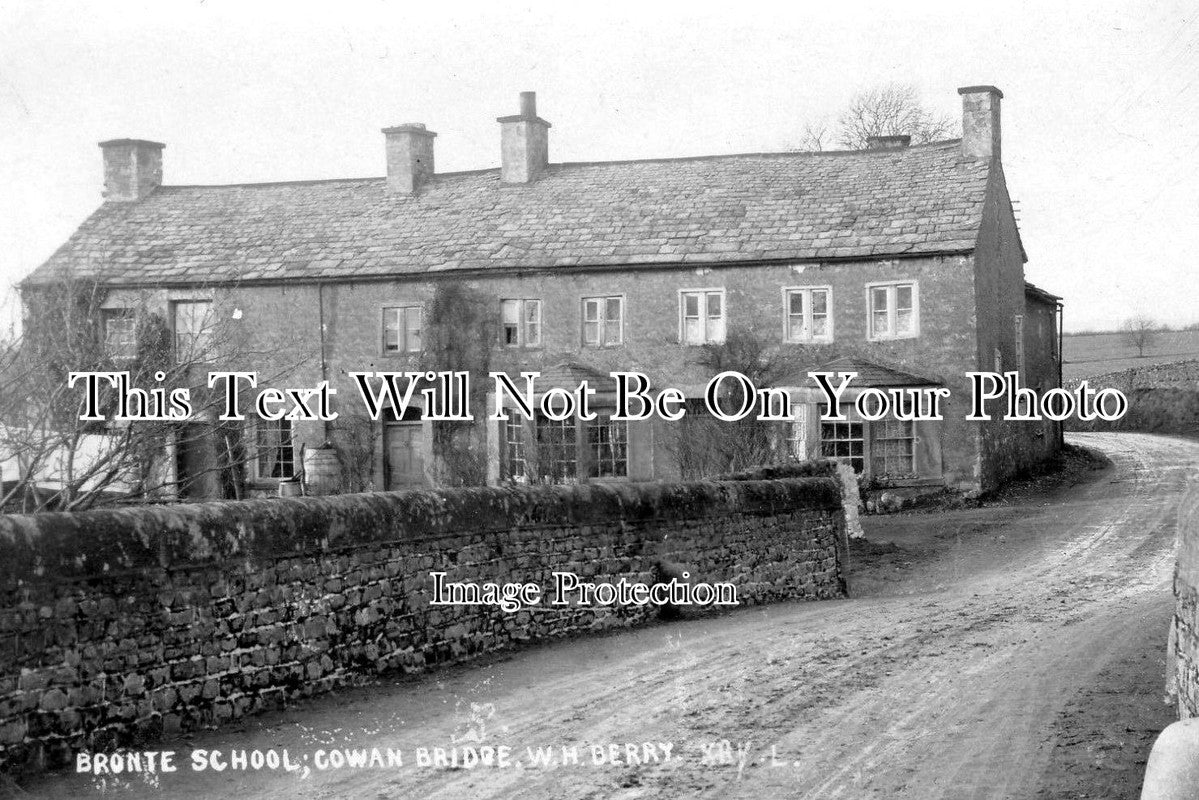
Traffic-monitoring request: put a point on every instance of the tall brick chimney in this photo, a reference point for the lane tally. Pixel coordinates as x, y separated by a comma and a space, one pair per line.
409, 157
980, 121
524, 143
132, 168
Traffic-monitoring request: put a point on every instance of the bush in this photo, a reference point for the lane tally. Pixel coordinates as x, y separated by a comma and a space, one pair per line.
793, 469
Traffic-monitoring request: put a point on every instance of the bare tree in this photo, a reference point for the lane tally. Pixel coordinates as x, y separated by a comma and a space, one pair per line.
816, 136
1141, 332
55, 460
356, 436
890, 110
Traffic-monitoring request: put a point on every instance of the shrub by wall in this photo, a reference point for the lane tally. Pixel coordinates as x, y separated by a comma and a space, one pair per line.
822, 468
120, 626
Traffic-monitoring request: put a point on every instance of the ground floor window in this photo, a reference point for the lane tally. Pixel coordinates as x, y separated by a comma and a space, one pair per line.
608, 445
881, 449
892, 449
275, 455
845, 441
557, 450
797, 432
515, 465
563, 451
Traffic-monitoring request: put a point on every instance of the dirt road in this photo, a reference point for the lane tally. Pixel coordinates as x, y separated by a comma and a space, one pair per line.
997, 668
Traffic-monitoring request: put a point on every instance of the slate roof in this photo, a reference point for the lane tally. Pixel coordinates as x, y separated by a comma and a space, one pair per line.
784, 206
1038, 293
570, 374
872, 374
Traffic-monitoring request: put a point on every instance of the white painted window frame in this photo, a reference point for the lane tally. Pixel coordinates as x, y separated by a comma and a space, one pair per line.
603, 320
403, 350
724, 314
892, 315
807, 292
522, 323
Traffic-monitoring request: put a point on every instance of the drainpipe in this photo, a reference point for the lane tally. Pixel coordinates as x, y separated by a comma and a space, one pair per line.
1061, 359
320, 300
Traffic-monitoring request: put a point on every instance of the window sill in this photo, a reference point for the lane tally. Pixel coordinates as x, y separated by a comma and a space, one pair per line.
268, 483
899, 338
899, 483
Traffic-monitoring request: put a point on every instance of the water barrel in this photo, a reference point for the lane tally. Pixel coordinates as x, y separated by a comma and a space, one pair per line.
290, 488
322, 470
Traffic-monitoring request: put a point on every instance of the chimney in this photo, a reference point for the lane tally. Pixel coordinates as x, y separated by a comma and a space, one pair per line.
980, 121
409, 157
524, 142
132, 168
887, 142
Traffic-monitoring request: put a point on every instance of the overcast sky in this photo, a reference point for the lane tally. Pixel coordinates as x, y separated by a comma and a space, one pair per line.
1100, 116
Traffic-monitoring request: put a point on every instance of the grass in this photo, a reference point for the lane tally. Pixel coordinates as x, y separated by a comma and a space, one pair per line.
1088, 354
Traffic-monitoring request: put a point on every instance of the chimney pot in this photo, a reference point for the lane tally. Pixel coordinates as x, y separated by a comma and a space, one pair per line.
528, 104
890, 142
980, 122
524, 143
132, 169
409, 150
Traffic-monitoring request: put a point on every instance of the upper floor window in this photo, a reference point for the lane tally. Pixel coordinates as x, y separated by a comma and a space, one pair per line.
894, 310
809, 315
120, 333
193, 329
603, 321
402, 329
701, 316
521, 323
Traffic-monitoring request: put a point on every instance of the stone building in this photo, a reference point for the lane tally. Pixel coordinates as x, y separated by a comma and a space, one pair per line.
900, 262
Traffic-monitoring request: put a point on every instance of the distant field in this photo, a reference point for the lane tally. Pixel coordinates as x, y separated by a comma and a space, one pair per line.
1098, 353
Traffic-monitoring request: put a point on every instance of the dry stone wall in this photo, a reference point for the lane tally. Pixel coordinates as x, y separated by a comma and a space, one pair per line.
1182, 674
119, 627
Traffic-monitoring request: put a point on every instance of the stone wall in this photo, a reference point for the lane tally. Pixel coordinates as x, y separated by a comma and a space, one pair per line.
278, 325
121, 626
1182, 664
1009, 448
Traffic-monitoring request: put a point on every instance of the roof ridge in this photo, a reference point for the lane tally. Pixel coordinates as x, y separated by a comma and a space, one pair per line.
944, 144
316, 181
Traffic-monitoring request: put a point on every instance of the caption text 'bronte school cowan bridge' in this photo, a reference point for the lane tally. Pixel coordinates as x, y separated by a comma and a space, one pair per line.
900, 262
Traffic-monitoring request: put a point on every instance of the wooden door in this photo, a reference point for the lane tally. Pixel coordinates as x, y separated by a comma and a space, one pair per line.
405, 467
